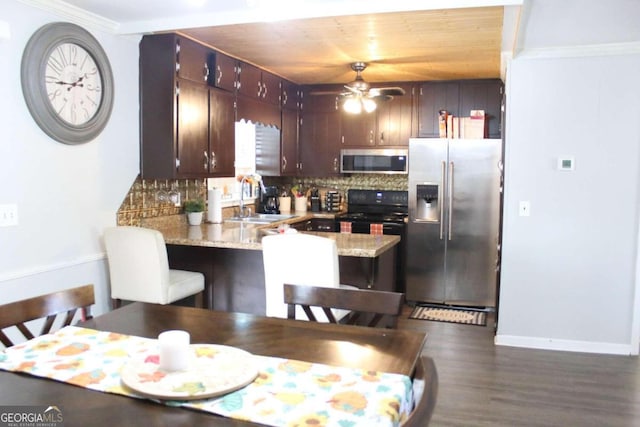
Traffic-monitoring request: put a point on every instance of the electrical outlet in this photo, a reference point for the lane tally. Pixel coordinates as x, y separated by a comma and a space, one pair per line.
524, 209
8, 215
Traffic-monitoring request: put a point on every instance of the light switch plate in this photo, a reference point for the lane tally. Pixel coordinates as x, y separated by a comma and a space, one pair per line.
8, 215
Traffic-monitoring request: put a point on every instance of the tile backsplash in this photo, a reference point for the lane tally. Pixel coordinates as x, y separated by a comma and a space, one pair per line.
343, 183
155, 198
158, 197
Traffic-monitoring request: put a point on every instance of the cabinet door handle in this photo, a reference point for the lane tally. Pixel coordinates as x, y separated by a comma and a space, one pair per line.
214, 162
219, 74
372, 139
259, 89
285, 98
284, 163
205, 72
264, 90
335, 164
381, 137
206, 161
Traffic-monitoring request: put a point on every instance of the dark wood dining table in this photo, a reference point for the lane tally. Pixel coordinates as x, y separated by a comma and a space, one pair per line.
384, 350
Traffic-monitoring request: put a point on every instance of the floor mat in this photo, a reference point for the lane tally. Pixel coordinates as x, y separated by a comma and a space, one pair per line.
451, 315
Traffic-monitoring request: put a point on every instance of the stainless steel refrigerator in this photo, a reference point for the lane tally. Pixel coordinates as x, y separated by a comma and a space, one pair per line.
454, 221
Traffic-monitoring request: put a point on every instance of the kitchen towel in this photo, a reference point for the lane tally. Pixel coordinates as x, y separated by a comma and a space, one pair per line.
214, 212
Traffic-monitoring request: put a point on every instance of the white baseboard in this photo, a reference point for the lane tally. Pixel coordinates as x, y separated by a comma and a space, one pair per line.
563, 345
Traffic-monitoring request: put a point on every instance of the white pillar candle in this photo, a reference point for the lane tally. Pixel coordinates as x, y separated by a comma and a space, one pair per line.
174, 350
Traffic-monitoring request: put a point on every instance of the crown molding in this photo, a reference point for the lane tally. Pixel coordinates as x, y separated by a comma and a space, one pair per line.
74, 14
607, 49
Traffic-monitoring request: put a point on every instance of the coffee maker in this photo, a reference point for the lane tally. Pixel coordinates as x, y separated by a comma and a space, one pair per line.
269, 200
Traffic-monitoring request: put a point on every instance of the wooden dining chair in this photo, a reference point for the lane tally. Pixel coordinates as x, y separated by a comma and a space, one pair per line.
45, 306
359, 302
425, 393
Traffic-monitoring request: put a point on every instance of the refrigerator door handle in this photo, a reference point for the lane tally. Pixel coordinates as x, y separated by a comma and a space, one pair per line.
450, 199
440, 198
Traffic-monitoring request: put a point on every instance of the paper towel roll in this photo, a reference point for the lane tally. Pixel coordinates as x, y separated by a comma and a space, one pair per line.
214, 212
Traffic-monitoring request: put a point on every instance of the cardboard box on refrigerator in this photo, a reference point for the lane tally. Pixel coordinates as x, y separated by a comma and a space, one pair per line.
474, 126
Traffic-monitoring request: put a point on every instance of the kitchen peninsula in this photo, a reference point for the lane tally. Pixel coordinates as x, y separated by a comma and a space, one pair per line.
230, 257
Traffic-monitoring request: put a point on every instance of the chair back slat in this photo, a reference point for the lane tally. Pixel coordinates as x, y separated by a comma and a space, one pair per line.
358, 301
45, 306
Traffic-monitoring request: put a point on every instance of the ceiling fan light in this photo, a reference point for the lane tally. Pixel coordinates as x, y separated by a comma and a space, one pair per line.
369, 105
352, 105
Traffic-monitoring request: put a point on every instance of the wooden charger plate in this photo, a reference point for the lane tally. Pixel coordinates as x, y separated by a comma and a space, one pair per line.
214, 370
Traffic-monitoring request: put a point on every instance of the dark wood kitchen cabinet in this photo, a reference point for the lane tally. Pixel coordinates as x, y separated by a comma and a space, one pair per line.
358, 130
483, 95
222, 71
391, 125
289, 143
459, 98
397, 118
319, 144
192, 132
289, 95
192, 60
175, 114
290, 104
258, 84
222, 133
436, 96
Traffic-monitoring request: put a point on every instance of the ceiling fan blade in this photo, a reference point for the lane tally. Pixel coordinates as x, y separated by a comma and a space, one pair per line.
381, 98
383, 91
352, 89
325, 92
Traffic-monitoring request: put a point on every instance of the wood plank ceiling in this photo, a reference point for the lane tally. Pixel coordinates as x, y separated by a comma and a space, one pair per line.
404, 46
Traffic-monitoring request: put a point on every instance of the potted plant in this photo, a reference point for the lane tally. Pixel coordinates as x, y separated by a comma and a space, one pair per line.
194, 210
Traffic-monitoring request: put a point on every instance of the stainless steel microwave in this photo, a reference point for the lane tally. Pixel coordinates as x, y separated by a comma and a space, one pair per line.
372, 160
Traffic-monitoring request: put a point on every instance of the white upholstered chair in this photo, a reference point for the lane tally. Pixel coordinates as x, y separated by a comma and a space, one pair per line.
299, 259
139, 269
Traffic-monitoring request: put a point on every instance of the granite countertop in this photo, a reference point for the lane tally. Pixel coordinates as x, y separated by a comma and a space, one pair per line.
236, 235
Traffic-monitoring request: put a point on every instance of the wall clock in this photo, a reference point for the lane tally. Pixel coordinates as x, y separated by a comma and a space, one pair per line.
67, 82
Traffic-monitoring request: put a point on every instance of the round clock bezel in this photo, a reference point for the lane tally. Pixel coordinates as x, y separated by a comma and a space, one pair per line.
32, 75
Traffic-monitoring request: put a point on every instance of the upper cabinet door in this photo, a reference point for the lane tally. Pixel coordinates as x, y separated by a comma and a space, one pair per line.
433, 98
191, 62
289, 95
258, 84
249, 80
483, 95
221, 133
396, 118
193, 130
358, 130
222, 71
270, 88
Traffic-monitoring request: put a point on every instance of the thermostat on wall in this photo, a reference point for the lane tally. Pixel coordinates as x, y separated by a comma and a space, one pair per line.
566, 163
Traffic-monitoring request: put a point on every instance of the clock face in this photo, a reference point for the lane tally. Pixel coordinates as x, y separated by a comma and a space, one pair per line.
67, 82
74, 83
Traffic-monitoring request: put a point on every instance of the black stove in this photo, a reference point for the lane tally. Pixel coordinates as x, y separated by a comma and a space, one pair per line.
377, 206
387, 207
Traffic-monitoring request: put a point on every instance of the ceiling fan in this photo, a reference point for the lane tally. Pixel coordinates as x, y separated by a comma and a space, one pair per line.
360, 95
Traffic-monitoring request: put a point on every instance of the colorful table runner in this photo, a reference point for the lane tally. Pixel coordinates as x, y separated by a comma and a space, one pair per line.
286, 392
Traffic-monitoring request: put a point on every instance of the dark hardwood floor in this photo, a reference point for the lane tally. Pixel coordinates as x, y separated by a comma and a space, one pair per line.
481, 384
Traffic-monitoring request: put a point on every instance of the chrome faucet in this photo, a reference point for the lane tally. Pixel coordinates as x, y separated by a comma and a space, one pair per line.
243, 208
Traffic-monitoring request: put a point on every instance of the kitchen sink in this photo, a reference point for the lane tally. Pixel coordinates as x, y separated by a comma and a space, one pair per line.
260, 218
